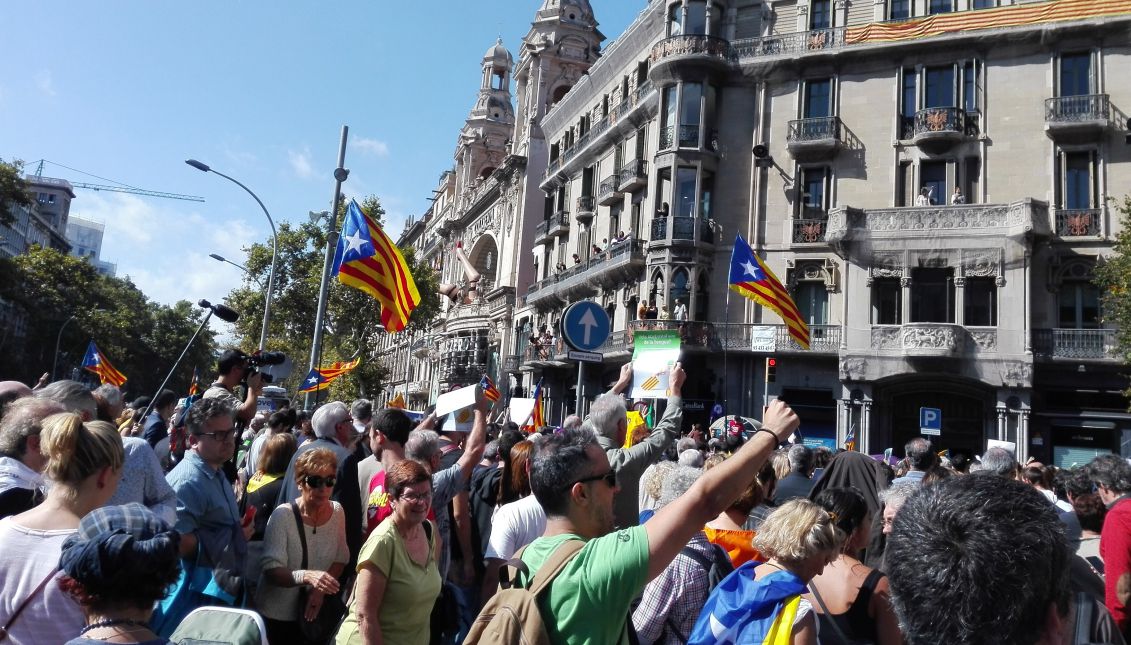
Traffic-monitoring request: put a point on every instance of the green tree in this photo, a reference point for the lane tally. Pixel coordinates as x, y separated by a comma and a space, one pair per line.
352, 320
13, 189
1113, 276
140, 337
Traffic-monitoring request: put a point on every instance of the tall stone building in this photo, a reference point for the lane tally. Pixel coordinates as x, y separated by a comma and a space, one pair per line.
931, 179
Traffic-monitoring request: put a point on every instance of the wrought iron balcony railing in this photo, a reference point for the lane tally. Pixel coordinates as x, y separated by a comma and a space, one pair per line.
711, 47
633, 175
809, 231
1078, 222
1076, 343
607, 192
1069, 109
815, 129
659, 229
794, 43
939, 119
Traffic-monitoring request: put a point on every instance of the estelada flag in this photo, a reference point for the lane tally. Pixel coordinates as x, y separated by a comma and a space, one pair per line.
194, 385
489, 390
750, 277
95, 361
538, 417
367, 259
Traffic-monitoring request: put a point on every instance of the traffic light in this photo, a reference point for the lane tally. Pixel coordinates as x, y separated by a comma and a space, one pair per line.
771, 369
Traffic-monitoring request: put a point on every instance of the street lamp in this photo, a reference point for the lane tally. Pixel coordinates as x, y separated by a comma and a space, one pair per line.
220, 258
274, 247
59, 339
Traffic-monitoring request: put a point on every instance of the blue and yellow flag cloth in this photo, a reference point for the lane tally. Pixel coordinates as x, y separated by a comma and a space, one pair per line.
367, 259
750, 277
95, 361
745, 611
320, 378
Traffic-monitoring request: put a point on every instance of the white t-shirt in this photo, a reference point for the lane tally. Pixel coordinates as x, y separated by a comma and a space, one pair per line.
27, 556
514, 526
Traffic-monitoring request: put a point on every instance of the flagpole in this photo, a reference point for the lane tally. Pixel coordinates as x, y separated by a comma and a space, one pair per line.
340, 175
177, 364
726, 341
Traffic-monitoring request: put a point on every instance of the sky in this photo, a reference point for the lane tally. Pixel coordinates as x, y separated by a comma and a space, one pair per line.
126, 90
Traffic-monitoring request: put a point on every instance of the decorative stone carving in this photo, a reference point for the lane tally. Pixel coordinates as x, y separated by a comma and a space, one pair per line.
1016, 373
853, 369
981, 263
931, 339
984, 339
886, 337
887, 265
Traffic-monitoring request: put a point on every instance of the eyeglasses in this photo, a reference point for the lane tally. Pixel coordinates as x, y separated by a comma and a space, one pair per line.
219, 435
610, 478
317, 481
416, 497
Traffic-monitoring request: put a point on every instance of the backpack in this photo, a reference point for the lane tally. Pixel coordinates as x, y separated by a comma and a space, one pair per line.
511, 616
717, 567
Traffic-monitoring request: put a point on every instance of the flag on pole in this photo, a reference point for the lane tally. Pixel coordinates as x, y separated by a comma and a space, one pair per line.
397, 402
489, 390
750, 277
367, 259
538, 417
194, 384
320, 378
850, 439
95, 361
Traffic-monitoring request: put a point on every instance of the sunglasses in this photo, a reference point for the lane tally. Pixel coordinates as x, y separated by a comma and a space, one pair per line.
221, 435
317, 481
609, 477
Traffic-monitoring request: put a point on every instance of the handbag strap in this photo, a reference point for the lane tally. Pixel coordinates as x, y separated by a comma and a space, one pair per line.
301, 532
825, 611
23, 605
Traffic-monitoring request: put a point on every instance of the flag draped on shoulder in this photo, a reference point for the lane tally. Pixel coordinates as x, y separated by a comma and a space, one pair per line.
95, 361
750, 277
320, 378
489, 390
367, 259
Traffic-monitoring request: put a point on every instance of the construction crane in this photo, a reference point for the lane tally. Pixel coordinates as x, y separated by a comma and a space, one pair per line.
120, 188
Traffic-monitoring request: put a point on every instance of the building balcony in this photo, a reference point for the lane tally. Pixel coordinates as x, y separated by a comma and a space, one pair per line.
922, 340
1076, 344
559, 224
543, 295
750, 50
938, 128
418, 388
633, 175
542, 232
619, 263
607, 192
618, 343
688, 138
672, 57
586, 209
814, 139
682, 231
1078, 222
1077, 119
823, 339
809, 231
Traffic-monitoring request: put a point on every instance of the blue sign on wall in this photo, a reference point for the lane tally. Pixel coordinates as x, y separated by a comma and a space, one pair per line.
930, 421
585, 326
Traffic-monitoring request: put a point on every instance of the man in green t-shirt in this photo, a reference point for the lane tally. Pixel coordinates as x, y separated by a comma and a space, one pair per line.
588, 601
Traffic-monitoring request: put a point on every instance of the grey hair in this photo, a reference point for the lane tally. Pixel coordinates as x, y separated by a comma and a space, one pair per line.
898, 493
677, 481
362, 410
570, 422
73, 395
652, 481
327, 417
23, 418
686, 443
108, 393
801, 458
999, 461
607, 413
692, 458
204, 411
421, 445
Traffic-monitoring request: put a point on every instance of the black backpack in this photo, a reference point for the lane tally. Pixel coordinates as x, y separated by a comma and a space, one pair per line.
717, 566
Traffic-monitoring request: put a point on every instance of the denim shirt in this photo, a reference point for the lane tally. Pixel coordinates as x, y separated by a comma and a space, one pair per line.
205, 499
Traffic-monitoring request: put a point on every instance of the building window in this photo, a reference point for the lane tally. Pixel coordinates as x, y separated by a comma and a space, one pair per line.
668, 116
1078, 306
814, 198
685, 191
1075, 74
820, 14
813, 302
939, 87
940, 6
818, 98
899, 9
681, 288
932, 295
980, 302
908, 102
933, 179
983, 4
1078, 190
706, 191
691, 115
887, 301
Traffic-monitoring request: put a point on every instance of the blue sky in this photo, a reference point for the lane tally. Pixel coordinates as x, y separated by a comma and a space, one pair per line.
127, 90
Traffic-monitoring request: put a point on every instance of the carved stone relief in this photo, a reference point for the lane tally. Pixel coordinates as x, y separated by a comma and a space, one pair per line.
981, 263
984, 339
853, 369
1016, 372
941, 337
885, 337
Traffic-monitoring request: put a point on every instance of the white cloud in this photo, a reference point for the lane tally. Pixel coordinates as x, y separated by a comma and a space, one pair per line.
44, 82
374, 146
300, 163
239, 157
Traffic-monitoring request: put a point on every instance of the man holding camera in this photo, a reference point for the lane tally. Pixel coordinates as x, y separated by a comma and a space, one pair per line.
233, 367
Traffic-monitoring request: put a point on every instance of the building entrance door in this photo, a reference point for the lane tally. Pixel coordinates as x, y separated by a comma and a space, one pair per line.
966, 414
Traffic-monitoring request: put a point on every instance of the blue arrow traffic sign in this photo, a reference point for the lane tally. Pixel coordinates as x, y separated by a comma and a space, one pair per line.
585, 326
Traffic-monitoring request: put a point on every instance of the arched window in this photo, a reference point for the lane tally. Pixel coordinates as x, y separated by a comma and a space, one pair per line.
680, 289
702, 297
657, 289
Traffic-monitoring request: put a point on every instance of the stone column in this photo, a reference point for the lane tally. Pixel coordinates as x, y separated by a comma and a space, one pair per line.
1002, 423
905, 299
865, 438
1023, 436
960, 300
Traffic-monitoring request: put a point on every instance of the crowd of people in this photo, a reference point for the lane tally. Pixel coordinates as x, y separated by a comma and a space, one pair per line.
358, 525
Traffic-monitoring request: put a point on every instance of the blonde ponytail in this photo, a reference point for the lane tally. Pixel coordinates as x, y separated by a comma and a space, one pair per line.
75, 450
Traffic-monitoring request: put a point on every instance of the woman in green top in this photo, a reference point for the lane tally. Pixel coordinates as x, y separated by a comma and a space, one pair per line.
397, 576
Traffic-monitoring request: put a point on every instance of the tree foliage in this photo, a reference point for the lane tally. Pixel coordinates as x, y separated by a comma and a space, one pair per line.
1113, 276
143, 339
13, 189
352, 320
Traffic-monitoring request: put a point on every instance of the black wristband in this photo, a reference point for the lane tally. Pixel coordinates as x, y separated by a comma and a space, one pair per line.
769, 432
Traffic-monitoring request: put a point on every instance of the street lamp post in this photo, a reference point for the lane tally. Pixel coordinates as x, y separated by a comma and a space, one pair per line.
220, 258
274, 247
59, 339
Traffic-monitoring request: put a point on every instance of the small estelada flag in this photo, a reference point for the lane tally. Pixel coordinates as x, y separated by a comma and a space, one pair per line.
95, 361
489, 390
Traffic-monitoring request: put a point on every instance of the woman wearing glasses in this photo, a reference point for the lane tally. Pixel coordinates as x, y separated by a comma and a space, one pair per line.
397, 576
323, 529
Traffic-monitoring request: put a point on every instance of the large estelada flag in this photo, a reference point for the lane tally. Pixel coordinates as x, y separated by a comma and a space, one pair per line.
320, 378
538, 417
95, 361
750, 277
367, 259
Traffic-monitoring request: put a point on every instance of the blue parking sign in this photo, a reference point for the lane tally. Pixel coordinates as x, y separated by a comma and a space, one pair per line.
930, 421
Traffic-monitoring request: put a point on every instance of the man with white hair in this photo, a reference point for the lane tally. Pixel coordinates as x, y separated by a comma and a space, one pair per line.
73, 395
609, 420
333, 429
21, 461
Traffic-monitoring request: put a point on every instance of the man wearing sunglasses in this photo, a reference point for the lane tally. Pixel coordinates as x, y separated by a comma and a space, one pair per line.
208, 518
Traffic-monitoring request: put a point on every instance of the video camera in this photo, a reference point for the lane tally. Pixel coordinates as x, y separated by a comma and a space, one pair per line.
272, 365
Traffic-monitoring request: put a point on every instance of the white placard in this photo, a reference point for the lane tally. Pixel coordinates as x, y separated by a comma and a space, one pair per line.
1008, 445
521, 409
456, 400
763, 338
